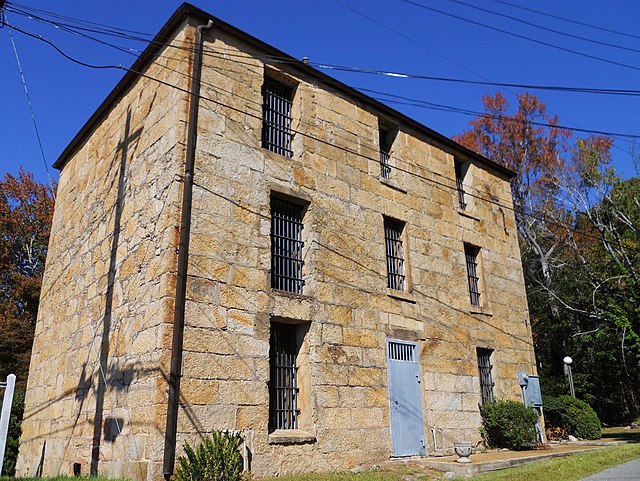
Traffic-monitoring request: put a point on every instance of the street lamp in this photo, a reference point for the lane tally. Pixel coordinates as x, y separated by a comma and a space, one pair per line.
567, 371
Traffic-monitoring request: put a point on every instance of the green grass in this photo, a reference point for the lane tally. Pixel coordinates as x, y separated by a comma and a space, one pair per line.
621, 434
570, 468
398, 474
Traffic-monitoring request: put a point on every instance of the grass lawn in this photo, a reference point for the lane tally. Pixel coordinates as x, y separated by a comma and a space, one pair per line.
621, 434
570, 468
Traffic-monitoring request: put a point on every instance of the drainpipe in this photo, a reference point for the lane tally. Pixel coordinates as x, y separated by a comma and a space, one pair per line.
183, 260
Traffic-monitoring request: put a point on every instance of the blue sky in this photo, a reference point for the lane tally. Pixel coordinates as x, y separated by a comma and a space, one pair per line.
392, 35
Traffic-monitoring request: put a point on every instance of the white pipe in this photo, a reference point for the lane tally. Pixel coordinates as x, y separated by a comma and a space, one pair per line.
6, 414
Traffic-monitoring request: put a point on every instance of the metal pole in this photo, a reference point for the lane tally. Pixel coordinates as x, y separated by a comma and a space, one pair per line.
6, 414
168, 460
567, 370
572, 391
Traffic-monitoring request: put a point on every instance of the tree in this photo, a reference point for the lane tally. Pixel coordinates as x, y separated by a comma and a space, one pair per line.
26, 210
578, 230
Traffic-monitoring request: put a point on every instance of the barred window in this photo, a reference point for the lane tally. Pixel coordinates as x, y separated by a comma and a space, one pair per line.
484, 371
276, 117
283, 385
385, 154
395, 255
460, 186
286, 245
473, 278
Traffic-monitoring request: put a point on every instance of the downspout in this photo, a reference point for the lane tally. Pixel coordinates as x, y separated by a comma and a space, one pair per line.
175, 372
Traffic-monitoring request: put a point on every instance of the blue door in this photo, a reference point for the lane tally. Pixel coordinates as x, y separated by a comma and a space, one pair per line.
405, 399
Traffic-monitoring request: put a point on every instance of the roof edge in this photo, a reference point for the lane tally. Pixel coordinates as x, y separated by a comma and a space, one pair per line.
187, 10
184, 11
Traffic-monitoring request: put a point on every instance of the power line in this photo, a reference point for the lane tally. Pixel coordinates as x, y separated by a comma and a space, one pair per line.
406, 75
438, 184
429, 105
464, 67
475, 113
520, 36
568, 20
407, 37
355, 69
33, 115
542, 27
71, 19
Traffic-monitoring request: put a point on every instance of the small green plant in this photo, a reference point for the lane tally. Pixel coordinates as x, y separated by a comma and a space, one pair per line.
217, 458
571, 416
509, 424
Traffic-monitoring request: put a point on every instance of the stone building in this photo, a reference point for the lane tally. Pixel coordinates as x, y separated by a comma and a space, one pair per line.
351, 280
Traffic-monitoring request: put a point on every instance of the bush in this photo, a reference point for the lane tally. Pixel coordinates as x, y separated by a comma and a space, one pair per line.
217, 458
509, 424
571, 416
13, 434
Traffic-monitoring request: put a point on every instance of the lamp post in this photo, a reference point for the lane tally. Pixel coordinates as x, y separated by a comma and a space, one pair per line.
567, 370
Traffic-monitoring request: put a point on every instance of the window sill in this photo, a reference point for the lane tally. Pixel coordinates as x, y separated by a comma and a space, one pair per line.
482, 310
401, 295
390, 183
291, 436
290, 295
466, 214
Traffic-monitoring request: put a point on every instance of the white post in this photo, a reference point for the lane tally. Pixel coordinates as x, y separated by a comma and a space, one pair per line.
6, 414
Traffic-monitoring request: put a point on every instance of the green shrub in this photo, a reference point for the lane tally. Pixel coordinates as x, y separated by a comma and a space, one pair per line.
509, 424
13, 434
571, 416
217, 458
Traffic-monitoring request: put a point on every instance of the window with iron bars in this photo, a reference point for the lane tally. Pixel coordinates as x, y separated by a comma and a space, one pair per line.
286, 245
460, 186
395, 256
484, 371
283, 383
276, 117
473, 278
385, 154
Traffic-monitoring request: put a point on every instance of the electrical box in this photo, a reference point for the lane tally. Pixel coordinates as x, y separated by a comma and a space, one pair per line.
532, 392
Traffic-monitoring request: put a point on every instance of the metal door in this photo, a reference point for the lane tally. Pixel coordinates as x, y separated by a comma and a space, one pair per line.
405, 400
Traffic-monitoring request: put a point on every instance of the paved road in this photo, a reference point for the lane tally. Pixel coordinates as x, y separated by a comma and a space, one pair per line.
625, 472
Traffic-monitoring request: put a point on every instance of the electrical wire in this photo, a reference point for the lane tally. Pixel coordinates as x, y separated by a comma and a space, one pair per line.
355, 69
542, 27
388, 73
438, 184
30, 104
475, 113
429, 105
464, 67
568, 20
520, 36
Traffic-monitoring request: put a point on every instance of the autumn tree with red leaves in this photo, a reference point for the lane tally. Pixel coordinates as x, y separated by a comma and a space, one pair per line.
26, 209
578, 230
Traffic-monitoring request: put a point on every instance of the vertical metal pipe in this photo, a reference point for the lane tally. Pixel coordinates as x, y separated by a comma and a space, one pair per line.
6, 414
183, 260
